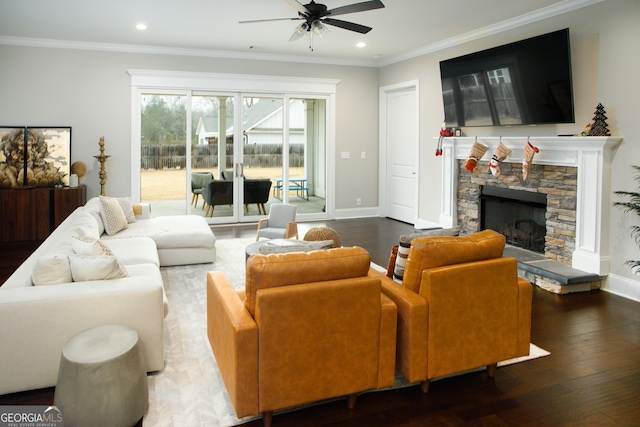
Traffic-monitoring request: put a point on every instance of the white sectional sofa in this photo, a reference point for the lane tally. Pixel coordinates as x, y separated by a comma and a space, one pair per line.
37, 319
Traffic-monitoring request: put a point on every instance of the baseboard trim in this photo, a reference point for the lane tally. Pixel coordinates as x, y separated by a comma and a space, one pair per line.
357, 213
622, 286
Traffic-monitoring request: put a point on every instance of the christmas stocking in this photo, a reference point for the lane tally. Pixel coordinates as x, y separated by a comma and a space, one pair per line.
477, 151
501, 153
529, 152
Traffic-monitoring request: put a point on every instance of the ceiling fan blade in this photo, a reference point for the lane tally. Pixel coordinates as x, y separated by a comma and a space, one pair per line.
268, 20
356, 7
298, 6
347, 25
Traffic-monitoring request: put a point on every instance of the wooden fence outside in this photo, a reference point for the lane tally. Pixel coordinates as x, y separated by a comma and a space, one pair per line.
173, 156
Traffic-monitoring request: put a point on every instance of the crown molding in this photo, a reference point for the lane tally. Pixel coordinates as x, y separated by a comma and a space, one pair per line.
160, 50
528, 18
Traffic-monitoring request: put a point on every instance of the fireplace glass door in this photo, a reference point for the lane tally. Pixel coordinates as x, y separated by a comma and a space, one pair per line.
518, 215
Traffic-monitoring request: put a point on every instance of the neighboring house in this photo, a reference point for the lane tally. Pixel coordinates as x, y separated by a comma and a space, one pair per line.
207, 129
262, 123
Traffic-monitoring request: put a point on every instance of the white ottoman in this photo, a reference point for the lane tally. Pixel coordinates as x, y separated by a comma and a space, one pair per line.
102, 380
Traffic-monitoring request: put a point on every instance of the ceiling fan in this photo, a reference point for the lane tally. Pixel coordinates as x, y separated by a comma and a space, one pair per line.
316, 15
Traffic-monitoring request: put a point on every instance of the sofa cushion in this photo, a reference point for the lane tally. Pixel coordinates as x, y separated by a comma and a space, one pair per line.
112, 215
135, 250
86, 268
405, 245
431, 252
273, 270
52, 269
172, 232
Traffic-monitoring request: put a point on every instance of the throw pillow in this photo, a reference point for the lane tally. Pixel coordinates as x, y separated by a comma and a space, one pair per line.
83, 245
405, 246
52, 269
391, 264
85, 224
99, 221
127, 208
112, 214
86, 268
297, 247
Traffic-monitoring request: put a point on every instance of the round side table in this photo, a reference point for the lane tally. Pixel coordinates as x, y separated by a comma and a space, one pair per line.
102, 380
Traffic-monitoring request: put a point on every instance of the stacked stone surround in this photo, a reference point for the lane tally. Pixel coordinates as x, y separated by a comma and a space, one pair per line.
559, 183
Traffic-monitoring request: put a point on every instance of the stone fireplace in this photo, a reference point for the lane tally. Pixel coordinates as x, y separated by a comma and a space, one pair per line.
555, 184
570, 174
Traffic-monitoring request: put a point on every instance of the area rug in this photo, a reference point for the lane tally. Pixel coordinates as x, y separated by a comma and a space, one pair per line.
190, 391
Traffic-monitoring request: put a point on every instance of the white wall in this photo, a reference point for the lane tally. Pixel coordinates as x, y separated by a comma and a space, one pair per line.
605, 70
90, 91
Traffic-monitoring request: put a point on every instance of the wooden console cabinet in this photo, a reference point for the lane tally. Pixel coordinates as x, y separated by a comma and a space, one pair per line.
32, 214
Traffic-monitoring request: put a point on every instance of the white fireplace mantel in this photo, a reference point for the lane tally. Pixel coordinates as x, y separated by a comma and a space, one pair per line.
591, 155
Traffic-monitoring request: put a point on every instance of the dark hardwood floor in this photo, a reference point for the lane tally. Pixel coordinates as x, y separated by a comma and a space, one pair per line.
591, 378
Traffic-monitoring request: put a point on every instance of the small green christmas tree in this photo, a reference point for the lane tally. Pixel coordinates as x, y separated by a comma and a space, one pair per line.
599, 126
633, 205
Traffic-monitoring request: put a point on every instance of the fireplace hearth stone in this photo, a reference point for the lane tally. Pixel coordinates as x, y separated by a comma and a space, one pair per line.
552, 276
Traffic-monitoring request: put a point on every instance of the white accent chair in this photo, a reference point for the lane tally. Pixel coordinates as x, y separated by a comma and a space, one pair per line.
281, 223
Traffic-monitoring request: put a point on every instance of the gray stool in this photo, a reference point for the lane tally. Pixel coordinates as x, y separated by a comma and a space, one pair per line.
102, 380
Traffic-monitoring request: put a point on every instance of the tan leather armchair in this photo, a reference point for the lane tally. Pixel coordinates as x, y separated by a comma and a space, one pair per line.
461, 306
308, 327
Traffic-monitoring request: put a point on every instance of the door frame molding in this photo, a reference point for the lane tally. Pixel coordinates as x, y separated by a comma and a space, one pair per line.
383, 142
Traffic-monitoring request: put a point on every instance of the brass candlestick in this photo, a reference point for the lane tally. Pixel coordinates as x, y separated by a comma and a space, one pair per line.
102, 158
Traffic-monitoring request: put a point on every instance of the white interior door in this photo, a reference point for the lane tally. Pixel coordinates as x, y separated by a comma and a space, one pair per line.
402, 155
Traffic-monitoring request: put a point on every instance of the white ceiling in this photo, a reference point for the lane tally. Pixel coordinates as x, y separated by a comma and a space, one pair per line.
403, 29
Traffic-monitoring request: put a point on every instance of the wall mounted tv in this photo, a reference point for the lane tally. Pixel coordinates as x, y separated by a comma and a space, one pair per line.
523, 83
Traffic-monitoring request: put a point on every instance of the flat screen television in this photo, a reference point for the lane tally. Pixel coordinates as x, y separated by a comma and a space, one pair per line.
523, 83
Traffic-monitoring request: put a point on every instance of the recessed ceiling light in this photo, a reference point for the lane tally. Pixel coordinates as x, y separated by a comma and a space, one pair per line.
361, 44
141, 26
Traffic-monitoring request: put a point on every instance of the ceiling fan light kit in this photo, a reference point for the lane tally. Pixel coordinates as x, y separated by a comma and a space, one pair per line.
316, 17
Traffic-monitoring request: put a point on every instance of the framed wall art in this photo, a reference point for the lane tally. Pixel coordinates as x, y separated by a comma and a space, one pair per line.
34, 156
12, 156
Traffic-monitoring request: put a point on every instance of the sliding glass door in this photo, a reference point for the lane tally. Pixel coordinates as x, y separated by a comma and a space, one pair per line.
228, 156
284, 149
163, 152
212, 169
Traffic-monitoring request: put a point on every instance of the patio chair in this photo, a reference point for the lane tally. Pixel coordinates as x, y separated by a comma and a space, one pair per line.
199, 181
217, 193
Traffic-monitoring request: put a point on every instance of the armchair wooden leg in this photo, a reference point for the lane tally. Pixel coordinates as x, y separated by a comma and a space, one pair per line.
424, 385
491, 370
267, 418
351, 401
